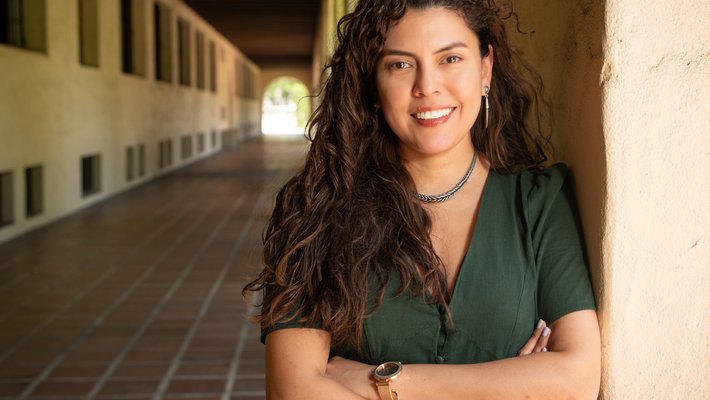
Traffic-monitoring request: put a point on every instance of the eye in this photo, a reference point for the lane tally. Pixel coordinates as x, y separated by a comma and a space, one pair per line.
398, 65
452, 59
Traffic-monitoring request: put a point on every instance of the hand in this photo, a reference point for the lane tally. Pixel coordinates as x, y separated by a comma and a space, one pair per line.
354, 375
538, 341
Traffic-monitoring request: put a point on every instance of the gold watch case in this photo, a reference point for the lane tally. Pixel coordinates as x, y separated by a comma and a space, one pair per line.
387, 371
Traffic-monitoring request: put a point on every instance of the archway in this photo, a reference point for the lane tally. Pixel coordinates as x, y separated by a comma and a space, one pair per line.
286, 107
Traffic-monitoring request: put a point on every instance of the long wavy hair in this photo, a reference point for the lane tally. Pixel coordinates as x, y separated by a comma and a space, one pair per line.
350, 219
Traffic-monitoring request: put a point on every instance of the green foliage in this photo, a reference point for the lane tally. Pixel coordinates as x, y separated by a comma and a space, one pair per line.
286, 90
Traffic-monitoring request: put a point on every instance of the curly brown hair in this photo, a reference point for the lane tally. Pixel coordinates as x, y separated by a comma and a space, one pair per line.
350, 218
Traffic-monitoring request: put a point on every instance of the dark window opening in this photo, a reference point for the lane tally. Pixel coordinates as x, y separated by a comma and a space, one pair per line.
184, 51
200, 50
127, 36
130, 162
213, 139
34, 191
165, 153
157, 45
23, 24
90, 174
11, 23
88, 33
200, 142
141, 160
186, 147
163, 43
213, 68
7, 204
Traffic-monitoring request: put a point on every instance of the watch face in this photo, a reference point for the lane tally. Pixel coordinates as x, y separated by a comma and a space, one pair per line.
388, 370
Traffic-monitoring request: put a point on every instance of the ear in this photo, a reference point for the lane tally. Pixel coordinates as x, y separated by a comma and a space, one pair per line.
487, 69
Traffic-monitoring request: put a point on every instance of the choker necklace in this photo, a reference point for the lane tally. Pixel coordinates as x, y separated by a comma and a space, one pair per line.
445, 196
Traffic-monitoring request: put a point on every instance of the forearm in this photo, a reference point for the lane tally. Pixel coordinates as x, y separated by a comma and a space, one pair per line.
308, 388
296, 361
537, 376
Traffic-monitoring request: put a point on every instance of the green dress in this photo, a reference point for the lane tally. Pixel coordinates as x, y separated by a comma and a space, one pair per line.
525, 262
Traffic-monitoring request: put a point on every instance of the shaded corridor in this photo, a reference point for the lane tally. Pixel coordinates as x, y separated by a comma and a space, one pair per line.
139, 297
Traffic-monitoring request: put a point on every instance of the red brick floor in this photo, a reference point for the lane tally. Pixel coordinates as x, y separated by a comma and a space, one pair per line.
139, 297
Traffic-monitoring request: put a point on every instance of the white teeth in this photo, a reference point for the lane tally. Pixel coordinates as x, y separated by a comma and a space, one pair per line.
434, 114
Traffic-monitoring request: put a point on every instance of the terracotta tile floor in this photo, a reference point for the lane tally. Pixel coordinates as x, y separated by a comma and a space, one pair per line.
139, 297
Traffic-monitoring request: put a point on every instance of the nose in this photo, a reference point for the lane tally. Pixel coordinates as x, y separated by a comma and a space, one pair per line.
426, 83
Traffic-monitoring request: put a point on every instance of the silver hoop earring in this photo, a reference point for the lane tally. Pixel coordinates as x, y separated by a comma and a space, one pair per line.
487, 89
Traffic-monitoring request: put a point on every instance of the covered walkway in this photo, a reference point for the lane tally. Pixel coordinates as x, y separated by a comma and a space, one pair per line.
139, 297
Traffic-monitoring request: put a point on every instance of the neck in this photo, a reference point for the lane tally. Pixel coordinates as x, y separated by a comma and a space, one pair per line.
436, 174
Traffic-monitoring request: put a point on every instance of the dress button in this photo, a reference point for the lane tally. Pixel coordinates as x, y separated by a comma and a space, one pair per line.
439, 359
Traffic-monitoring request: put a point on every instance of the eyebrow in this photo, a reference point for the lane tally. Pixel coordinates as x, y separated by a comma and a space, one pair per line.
395, 52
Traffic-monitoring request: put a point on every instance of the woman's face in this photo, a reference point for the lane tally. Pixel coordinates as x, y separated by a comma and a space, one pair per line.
430, 80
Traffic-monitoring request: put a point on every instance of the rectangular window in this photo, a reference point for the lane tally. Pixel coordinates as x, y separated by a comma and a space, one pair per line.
88, 33
34, 191
141, 160
200, 50
7, 203
90, 174
130, 162
132, 26
11, 29
200, 142
213, 139
165, 153
127, 36
184, 51
213, 68
163, 43
186, 147
238, 79
23, 24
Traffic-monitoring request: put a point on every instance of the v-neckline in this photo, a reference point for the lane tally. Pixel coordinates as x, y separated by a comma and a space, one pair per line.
476, 229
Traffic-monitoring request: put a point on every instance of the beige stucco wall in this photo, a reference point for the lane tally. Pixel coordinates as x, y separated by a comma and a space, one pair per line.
53, 110
628, 81
656, 80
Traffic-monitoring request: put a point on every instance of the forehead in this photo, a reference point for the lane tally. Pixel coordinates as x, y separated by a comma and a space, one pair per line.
432, 26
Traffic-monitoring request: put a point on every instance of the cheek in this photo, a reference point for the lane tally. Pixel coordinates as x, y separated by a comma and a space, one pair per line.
467, 86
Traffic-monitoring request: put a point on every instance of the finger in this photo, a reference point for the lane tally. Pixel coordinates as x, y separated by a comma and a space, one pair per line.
530, 344
542, 341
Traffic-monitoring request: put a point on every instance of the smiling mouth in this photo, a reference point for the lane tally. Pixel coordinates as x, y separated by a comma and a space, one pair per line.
433, 115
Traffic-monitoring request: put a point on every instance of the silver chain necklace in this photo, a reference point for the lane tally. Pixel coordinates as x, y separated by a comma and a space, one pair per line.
445, 196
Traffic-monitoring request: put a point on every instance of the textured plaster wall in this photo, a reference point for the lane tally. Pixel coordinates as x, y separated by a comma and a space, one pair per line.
53, 110
656, 80
562, 41
628, 82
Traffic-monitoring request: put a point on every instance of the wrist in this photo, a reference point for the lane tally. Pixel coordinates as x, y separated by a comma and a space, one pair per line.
384, 377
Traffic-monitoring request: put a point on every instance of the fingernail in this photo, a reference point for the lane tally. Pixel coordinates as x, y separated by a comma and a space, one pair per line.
544, 349
546, 332
539, 324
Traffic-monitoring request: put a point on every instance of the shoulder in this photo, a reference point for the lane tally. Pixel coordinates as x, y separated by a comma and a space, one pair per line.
537, 185
549, 181
540, 193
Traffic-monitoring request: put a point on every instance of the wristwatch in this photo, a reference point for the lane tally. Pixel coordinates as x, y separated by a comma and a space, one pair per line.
383, 375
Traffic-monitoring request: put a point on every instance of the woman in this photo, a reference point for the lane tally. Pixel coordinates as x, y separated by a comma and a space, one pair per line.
366, 264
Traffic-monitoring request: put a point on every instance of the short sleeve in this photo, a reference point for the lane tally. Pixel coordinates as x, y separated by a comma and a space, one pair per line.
557, 242
291, 321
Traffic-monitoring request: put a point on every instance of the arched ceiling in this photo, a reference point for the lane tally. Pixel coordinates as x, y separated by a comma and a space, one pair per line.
272, 33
